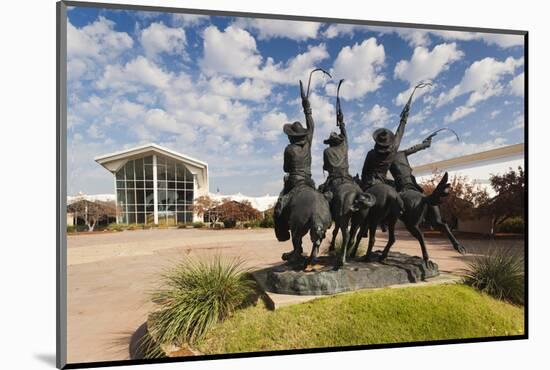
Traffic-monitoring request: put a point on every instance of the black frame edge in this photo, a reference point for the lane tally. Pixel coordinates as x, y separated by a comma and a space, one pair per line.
166, 9
61, 171
61, 187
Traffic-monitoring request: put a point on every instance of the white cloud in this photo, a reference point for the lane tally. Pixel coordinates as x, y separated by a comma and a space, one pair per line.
161, 120
360, 66
189, 20
97, 40
232, 52
335, 30
495, 113
424, 65
157, 38
95, 132
501, 40
271, 125
481, 80
249, 89
518, 123
517, 85
299, 66
93, 45
377, 116
129, 77
422, 116
421, 37
415, 37
277, 28
448, 147
458, 113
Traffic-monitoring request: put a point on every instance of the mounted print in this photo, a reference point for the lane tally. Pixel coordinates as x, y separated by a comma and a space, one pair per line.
235, 184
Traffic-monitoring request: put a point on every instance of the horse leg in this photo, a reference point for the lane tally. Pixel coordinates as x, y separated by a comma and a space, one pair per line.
296, 253
391, 239
344, 226
372, 239
317, 234
352, 233
332, 246
417, 233
438, 222
358, 236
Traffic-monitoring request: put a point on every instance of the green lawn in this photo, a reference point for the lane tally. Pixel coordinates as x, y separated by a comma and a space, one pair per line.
367, 317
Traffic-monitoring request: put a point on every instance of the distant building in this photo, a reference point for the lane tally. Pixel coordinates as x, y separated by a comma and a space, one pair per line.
478, 168
155, 185
262, 203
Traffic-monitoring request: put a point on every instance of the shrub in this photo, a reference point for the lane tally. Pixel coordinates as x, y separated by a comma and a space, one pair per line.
499, 273
183, 225
115, 227
70, 228
514, 225
267, 221
252, 224
198, 225
194, 296
229, 224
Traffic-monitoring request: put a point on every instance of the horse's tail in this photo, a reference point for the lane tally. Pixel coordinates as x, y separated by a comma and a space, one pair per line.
361, 200
320, 221
441, 190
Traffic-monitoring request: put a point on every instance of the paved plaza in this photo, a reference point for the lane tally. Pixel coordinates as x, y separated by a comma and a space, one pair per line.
110, 275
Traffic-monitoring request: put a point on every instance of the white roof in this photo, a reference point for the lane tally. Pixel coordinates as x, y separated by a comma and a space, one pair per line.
114, 161
91, 198
127, 153
260, 203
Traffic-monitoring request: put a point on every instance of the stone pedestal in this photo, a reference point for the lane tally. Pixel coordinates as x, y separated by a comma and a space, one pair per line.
323, 279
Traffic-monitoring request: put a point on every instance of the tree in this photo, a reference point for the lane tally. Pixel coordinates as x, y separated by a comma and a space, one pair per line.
203, 205
92, 212
238, 211
464, 200
509, 200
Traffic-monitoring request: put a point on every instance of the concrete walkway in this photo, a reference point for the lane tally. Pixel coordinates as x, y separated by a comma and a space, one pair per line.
110, 274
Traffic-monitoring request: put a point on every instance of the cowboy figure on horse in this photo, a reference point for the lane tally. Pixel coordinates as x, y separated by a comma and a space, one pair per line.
378, 160
401, 169
297, 164
335, 157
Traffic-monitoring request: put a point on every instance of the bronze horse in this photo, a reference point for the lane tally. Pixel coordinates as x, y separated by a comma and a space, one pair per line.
348, 199
385, 210
307, 211
419, 207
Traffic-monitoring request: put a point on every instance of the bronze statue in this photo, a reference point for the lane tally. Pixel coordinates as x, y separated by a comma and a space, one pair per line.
418, 207
378, 160
346, 196
300, 208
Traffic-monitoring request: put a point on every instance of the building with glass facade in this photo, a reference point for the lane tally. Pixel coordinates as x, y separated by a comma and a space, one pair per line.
155, 185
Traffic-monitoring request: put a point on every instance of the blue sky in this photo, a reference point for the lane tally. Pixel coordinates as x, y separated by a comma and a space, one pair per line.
220, 89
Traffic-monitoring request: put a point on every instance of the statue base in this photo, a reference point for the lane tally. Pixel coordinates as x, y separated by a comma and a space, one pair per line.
322, 279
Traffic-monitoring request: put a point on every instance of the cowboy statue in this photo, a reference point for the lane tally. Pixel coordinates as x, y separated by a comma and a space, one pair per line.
401, 169
335, 157
297, 164
378, 160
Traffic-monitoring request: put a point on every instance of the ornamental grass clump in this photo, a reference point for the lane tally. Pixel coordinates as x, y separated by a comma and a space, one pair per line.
499, 273
195, 295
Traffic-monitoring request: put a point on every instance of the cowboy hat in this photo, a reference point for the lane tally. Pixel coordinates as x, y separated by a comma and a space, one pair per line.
334, 138
383, 137
294, 129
